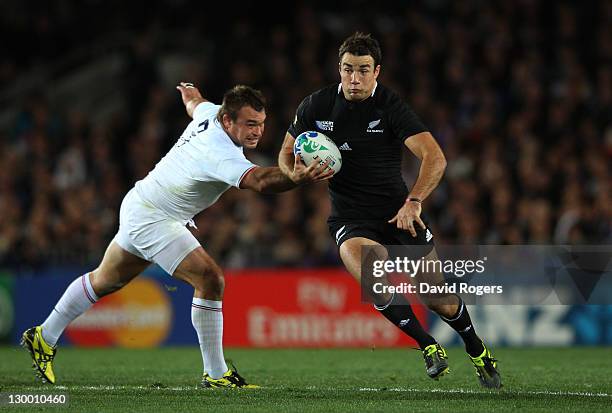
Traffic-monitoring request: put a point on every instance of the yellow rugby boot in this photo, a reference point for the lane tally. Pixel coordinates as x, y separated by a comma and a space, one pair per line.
42, 354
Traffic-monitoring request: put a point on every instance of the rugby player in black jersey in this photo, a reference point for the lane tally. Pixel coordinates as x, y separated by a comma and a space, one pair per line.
371, 204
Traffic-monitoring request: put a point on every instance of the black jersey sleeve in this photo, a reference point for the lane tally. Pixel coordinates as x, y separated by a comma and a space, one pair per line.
304, 118
404, 122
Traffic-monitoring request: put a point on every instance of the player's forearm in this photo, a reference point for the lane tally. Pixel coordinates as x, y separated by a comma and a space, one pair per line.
273, 180
191, 105
286, 158
285, 161
191, 97
430, 173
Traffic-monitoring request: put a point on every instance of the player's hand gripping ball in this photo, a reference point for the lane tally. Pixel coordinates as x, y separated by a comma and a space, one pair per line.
316, 147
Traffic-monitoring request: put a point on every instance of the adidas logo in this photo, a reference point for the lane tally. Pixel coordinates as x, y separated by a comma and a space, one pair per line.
340, 233
345, 147
468, 328
428, 235
404, 322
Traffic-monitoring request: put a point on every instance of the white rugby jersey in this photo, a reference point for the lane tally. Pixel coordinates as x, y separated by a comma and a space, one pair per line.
199, 168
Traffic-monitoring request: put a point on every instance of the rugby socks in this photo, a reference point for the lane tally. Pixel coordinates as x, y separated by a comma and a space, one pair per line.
462, 324
399, 312
78, 298
207, 319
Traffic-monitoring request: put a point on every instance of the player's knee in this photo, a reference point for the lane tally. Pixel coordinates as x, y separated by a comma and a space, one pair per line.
446, 307
215, 280
104, 283
211, 281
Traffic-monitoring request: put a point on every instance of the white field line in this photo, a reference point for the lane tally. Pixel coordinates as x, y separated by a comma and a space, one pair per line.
514, 392
363, 389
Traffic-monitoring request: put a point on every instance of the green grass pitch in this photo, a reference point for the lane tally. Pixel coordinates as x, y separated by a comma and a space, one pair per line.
109, 380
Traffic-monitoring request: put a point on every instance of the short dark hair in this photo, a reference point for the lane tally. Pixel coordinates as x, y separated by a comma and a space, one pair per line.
361, 44
238, 97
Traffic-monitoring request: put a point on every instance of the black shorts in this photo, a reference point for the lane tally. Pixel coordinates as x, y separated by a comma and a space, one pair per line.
381, 232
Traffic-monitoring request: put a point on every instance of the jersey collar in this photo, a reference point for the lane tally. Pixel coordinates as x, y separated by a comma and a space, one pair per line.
218, 124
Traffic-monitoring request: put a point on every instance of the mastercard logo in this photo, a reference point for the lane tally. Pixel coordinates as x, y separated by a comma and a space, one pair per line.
138, 315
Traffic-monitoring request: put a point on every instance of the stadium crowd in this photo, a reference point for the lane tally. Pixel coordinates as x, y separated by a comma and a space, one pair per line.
518, 93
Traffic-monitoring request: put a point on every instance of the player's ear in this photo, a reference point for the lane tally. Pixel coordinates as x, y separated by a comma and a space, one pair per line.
226, 120
376, 71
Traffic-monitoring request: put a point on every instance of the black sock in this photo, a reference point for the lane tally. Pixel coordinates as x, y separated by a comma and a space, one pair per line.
462, 324
399, 312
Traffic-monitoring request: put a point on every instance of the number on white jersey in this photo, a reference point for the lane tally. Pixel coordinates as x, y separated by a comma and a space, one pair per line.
202, 126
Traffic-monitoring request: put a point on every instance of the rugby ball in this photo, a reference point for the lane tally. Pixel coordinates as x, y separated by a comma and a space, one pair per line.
316, 147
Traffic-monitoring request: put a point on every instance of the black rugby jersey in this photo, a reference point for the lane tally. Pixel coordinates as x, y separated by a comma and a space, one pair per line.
370, 135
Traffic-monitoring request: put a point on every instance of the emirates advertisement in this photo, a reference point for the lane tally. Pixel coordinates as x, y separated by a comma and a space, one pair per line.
319, 308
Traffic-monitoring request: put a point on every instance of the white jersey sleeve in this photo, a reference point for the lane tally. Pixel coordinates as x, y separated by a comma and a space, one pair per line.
232, 170
205, 110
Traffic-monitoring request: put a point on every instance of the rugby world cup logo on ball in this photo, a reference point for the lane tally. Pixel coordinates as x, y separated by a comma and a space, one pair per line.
316, 147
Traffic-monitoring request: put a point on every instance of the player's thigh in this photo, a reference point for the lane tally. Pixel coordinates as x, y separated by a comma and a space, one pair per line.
200, 270
152, 235
351, 252
176, 251
118, 267
432, 275
414, 247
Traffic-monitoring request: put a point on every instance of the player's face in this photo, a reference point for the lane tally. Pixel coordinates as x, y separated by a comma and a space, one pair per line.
248, 127
358, 76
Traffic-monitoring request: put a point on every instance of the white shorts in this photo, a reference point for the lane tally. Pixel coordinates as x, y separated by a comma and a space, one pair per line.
151, 234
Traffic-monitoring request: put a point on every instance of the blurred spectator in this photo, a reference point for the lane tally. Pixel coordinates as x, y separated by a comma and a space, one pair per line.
519, 95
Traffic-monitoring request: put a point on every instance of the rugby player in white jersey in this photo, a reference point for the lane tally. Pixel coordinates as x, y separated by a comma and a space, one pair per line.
205, 162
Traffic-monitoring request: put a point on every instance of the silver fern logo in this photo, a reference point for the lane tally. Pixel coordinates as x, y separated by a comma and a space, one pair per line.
373, 125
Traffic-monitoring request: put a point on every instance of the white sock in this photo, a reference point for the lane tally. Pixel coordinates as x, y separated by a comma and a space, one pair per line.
77, 299
207, 319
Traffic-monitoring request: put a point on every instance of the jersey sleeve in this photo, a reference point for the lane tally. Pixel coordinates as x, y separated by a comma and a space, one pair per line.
205, 110
404, 122
304, 118
232, 170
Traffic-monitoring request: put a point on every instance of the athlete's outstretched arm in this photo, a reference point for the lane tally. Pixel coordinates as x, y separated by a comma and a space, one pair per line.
433, 163
273, 179
191, 97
